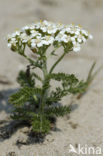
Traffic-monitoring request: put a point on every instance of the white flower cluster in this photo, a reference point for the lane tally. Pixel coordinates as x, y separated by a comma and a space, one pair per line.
45, 33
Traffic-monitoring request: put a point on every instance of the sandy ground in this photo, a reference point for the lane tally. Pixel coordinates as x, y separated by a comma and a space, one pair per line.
85, 124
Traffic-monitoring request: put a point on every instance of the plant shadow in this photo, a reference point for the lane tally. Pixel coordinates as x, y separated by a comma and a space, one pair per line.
4, 104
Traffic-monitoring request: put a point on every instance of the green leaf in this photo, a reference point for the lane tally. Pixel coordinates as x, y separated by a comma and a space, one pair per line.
70, 79
25, 80
22, 113
90, 71
79, 88
37, 77
23, 95
57, 110
56, 95
83, 86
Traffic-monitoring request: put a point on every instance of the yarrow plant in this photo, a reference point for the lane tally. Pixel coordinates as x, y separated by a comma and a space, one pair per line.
38, 104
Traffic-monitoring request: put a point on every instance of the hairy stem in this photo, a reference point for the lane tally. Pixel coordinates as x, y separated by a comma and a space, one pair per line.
44, 90
54, 65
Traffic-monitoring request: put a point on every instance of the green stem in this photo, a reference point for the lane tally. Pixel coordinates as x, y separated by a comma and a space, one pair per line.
54, 65
44, 92
44, 95
45, 74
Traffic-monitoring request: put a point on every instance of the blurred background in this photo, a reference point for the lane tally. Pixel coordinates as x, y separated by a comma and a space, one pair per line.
88, 13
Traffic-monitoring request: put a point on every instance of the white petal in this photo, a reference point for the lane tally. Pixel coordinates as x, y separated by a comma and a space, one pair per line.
33, 45
9, 45
76, 49
39, 44
90, 36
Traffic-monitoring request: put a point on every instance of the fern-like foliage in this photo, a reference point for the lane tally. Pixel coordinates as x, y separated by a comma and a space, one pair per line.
64, 77
24, 95
26, 79
28, 100
69, 85
36, 105
57, 110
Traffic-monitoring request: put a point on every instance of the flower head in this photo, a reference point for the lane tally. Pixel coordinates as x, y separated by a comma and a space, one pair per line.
45, 33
